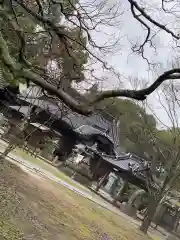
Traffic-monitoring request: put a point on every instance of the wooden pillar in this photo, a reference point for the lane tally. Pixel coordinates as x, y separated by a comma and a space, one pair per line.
101, 181
97, 166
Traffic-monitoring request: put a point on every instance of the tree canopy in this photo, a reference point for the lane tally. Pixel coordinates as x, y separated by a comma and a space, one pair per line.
135, 125
42, 48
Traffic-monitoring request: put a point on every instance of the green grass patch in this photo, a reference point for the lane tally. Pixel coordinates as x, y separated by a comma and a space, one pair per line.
47, 167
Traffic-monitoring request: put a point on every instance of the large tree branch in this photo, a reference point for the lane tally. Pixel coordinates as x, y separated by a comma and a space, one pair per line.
20, 72
141, 15
59, 31
151, 20
138, 94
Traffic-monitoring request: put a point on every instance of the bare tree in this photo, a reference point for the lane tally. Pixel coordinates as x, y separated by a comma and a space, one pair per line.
165, 151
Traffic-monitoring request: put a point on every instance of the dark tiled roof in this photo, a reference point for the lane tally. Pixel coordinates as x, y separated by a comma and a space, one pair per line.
54, 107
141, 175
72, 118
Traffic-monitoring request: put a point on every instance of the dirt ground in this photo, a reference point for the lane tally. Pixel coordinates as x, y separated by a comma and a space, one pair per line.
35, 208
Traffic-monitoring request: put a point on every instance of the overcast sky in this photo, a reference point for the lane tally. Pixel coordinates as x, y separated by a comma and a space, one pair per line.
130, 64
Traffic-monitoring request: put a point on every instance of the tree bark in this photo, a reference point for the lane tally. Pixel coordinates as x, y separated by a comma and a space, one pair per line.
149, 215
27, 73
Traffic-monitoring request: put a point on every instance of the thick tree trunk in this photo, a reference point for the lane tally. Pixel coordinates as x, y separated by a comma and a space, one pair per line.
149, 215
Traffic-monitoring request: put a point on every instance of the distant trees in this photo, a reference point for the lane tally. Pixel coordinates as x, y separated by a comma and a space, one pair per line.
135, 125
139, 135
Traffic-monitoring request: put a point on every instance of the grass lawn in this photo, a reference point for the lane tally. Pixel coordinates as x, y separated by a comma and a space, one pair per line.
39, 162
35, 208
47, 167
